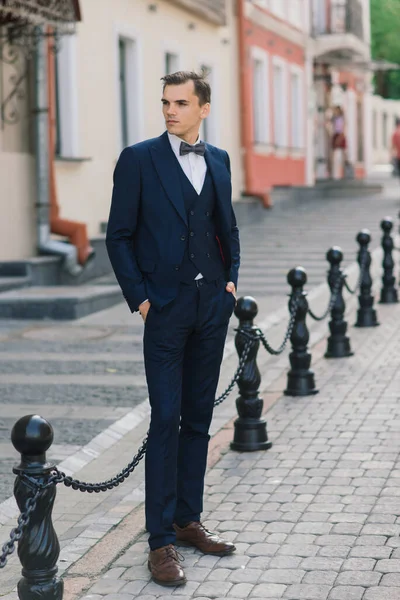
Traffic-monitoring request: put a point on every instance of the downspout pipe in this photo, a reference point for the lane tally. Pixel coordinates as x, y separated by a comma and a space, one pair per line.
45, 244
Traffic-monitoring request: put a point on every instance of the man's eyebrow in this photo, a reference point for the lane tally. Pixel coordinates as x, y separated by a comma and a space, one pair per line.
165, 100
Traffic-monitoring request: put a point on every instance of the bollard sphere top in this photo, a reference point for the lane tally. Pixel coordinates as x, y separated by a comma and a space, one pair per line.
32, 435
364, 237
334, 255
246, 308
387, 224
297, 277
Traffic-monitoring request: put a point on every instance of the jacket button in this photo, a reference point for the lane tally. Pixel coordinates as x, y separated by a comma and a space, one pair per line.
192, 256
191, 233
208, 255
192, 212
176, 267
207, 234
207, 214
183, 238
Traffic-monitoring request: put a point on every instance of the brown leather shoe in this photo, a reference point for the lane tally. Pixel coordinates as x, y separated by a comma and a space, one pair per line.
195, 534
164, 566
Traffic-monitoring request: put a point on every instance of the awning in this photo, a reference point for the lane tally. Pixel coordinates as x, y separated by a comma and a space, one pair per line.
39, 12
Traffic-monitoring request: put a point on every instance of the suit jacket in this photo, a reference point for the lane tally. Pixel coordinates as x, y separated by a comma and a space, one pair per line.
148, 218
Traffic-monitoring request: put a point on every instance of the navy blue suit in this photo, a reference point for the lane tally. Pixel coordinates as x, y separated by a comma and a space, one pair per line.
160, 234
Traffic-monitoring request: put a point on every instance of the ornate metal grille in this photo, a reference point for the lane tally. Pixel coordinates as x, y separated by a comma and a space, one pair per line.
38, 12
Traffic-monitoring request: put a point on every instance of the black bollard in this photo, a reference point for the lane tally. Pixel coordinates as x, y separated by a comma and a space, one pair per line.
388, 291
300, 380
38, 548
250, 430
338, 342
366, 314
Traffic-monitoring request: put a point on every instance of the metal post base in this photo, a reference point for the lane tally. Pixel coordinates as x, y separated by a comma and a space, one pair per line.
300, 383
389, 297
338, 348
250, 435
366, 318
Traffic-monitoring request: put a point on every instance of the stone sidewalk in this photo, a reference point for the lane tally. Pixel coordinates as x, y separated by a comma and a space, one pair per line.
316, 517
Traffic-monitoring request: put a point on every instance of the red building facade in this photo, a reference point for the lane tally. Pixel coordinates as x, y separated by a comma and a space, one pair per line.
274, 100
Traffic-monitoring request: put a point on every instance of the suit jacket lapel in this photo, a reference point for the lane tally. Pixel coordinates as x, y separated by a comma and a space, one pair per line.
167, 167
222, 182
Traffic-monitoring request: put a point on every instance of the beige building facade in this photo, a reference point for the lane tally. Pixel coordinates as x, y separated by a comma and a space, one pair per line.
108, 96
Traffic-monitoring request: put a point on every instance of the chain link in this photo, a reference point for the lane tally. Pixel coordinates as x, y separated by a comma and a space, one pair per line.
60, 477
22, 522
359, 280
261, 336
83, 486
332, 301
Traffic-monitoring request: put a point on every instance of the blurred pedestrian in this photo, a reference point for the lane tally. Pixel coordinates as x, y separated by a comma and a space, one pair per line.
396, 149
174, 246
339, 143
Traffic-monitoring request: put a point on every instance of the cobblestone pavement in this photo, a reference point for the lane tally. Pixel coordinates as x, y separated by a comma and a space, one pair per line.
86, 374
317, 517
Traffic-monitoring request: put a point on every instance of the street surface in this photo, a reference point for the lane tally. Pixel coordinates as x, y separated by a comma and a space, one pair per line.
86, 374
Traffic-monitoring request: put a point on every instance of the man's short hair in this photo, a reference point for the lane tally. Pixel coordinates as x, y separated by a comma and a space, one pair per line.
202, 88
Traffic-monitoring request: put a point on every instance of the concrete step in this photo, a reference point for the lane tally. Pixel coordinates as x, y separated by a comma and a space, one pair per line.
14, 283
58, 302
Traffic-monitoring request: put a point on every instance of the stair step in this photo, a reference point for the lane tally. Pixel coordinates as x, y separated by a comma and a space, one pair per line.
58, 302
13, 283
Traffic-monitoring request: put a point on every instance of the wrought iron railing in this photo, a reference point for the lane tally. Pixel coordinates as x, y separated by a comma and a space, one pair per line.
344, 16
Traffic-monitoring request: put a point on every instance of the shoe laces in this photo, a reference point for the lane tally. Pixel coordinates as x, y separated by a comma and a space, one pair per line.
201, 526
172, 553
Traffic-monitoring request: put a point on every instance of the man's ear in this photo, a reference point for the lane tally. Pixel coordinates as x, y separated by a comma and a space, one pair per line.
205, 111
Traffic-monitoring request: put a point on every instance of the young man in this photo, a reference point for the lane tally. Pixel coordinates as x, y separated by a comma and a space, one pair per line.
396, 148
174, 246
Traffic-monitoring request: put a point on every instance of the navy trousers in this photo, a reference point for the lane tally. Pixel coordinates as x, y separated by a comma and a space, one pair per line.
183, 349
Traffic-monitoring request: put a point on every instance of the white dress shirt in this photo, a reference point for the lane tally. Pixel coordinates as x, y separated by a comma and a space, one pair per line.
193, 165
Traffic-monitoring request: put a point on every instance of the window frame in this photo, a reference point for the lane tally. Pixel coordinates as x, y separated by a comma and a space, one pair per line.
278, 62
261, 56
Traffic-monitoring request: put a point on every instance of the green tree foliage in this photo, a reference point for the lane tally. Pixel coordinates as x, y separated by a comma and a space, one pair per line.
385, 44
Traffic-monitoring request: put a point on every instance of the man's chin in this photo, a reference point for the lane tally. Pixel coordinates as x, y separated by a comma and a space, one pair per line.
173, 128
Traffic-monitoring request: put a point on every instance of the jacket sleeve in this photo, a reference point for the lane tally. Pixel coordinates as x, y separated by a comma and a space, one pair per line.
121, 228
235, 243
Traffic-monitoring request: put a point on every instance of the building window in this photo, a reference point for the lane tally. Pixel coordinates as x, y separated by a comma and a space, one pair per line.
360, 132
280, 105
374, 130
297, 108
123, 90
171, 63
261, 133
128, 79
384, 130
66, 99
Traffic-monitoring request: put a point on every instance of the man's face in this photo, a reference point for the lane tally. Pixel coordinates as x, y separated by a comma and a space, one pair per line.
182, 111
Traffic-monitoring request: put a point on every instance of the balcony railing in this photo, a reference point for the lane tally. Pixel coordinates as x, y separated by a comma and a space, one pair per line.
344, 16
212, 10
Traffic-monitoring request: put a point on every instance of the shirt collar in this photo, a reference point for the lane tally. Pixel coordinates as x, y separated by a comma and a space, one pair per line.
175, 142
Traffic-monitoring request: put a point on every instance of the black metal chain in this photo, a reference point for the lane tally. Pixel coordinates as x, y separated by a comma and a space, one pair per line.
264, 341
359, 281
332, 301
261, 336
16, 533
60, 477
83, 486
